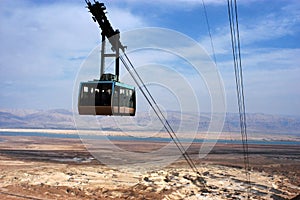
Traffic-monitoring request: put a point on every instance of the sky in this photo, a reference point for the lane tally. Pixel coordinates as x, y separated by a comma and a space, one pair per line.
44, 43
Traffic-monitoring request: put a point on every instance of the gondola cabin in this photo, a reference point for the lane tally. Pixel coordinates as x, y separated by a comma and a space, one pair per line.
106, 97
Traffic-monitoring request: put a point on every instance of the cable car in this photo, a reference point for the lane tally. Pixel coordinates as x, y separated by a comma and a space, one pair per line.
106, 96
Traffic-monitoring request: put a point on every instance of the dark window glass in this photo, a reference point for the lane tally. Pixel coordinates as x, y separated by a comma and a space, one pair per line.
96, 94
116, 96
103, 96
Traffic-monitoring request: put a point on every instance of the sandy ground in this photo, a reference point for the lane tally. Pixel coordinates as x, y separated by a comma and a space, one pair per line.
49, 168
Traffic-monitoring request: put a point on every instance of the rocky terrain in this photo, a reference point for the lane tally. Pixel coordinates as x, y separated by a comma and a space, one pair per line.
49, 168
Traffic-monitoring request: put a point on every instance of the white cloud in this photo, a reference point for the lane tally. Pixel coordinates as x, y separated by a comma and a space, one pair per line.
271, 67
266, 91
124, 19
270, 26
272, 59
187, 3
40, 40
271, 80
44, 44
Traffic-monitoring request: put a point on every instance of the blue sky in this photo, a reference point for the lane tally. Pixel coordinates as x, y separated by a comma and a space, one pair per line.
43, 44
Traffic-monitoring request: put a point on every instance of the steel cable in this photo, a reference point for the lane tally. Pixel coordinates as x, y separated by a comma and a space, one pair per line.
237, 61
149, 98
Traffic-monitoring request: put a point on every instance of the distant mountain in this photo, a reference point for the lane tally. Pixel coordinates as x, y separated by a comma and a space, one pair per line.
52, 119
63, 119
264, 123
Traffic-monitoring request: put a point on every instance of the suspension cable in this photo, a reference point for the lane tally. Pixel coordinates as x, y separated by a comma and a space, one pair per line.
237, 61
146, 93
209, 32
171, 131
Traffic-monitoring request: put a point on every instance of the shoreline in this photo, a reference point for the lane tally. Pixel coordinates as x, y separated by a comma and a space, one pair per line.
202, 137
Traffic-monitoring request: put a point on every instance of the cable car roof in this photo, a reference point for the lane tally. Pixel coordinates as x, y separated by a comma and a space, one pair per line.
109, 82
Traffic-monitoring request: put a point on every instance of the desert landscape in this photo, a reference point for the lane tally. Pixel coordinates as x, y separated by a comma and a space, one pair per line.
34, 167
149, 100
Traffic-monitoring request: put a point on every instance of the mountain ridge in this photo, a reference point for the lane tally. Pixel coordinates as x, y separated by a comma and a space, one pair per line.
63, 119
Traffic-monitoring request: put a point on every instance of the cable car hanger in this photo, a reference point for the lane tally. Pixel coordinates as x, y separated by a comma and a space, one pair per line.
106, 96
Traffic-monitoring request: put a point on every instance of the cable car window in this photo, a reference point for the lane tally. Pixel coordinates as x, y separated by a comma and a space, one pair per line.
97, 97
126, 98
103, 96
131, 99
85, 95
122, 97
106, 98
116, 96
